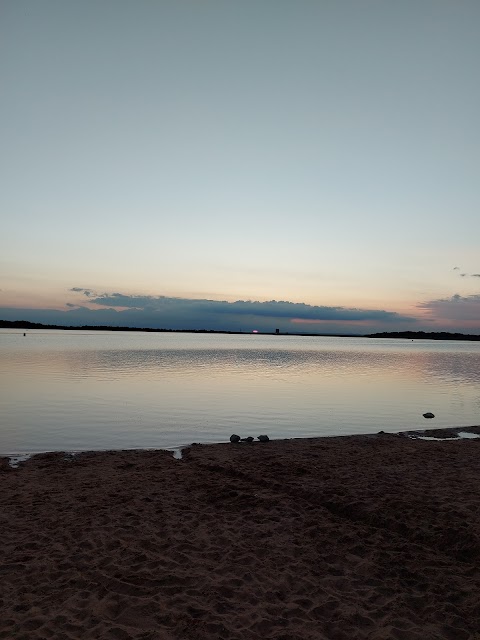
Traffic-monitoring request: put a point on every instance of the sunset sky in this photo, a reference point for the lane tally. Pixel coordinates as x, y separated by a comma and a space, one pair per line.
307, 165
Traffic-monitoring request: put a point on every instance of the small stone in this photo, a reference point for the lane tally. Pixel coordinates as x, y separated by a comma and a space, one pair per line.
263, 438
248, 439
428, 415
235, 438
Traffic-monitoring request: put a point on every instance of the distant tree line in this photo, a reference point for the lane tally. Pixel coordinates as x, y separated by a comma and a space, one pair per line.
24, 324
423, 335
409, 335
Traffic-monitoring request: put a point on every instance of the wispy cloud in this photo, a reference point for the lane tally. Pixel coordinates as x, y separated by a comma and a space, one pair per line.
86, 292
468, 275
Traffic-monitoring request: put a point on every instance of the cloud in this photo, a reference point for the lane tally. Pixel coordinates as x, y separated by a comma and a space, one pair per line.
242, 315
468, 275
460, 311
456, 298
86, 292
270, 309
454, 313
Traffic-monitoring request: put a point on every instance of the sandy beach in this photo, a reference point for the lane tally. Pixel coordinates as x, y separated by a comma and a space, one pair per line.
368, 537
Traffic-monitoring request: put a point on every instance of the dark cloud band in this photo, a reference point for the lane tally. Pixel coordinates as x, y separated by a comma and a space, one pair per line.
272, 309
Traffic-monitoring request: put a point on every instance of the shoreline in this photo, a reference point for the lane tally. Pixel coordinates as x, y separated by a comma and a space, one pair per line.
441, 433
24, 325
368, 537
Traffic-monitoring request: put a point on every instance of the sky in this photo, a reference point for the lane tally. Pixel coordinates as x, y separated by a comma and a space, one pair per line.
306, 165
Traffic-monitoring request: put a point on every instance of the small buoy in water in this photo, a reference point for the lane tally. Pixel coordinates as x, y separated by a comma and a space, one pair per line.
24, 335
428, 415
234, 438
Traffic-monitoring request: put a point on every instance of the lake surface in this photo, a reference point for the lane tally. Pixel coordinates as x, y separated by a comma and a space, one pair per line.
74, 390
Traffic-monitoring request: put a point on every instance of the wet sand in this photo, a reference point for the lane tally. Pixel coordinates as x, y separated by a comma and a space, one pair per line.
346, 538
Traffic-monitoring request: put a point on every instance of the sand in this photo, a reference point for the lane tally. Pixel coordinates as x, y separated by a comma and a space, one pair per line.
334, 538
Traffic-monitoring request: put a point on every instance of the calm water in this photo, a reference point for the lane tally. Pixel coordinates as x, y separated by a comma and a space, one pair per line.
98, 390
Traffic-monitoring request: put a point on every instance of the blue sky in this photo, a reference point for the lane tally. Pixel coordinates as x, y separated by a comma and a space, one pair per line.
320, 153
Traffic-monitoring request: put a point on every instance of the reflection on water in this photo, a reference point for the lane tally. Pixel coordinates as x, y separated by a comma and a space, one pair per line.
73, 390
453, 368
